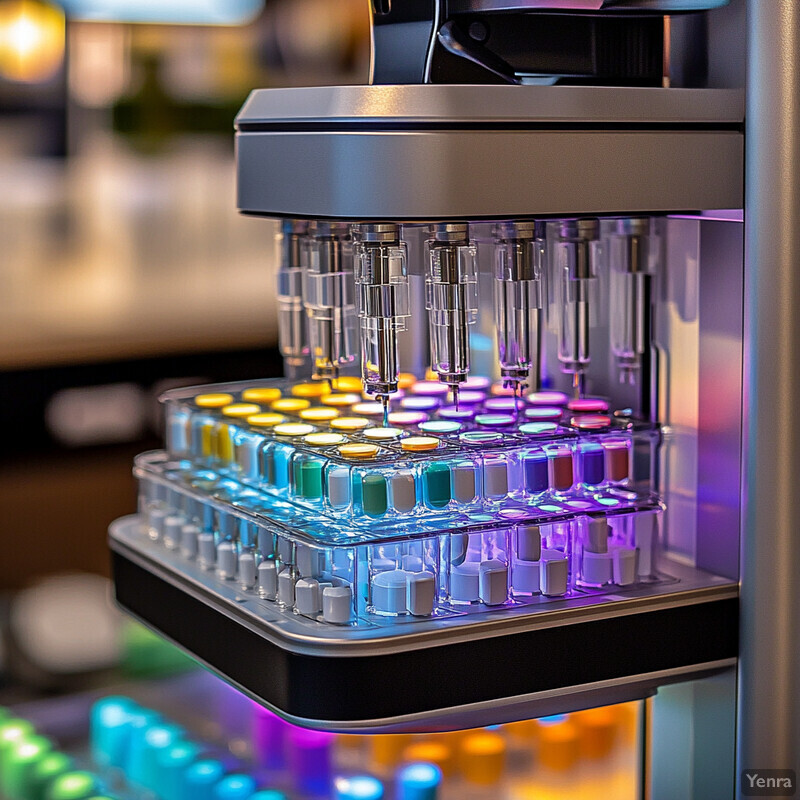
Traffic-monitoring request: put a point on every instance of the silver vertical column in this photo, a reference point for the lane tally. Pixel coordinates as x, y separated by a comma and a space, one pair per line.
769, 691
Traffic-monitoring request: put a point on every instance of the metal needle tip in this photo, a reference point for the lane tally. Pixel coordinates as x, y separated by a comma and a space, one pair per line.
454, 389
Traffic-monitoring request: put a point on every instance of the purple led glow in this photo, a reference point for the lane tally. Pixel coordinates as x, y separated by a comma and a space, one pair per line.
451, 412
543, 414
588, 405
269, 738
495, 420
504, 404
547, 399
419, 403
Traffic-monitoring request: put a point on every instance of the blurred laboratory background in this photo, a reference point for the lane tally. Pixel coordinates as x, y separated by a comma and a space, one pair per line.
125, 268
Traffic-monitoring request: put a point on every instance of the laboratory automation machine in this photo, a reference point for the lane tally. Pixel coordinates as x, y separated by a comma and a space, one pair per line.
534, 448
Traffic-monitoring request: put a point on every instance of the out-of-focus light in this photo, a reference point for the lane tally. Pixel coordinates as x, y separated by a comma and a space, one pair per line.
32, 35
166, 12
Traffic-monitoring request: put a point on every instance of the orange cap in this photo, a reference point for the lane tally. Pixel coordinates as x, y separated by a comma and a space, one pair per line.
483, 758
387, 749
558, 745
431, 752
406, 379
347, 383
599, 731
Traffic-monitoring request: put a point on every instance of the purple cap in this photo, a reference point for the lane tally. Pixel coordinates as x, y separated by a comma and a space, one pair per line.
419, 403
470, 397
430, 389
504, 404
459, 414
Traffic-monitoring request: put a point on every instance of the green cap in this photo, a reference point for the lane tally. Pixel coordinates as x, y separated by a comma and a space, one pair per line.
77, 785
46, 770
374, 498
12, 731
19, 763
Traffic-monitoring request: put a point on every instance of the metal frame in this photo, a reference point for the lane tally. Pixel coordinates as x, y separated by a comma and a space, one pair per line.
769, 709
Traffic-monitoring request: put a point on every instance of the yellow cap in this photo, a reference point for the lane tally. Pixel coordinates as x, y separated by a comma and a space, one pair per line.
294, 429
349, 423
598, 731
265, 420
417, 444
483, 757
406, 379
387, 749
310, 389
359, 450
261, 394
213, 400
558, 745
431, 752
290, 404
319, 414
347, 383
241, 410
382, 434
431, 375
340, 400
324, 439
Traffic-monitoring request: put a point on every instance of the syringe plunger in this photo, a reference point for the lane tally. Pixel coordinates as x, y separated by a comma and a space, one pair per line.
451, 282
519, 250
329, 296
381, 278
578, 254
292, 323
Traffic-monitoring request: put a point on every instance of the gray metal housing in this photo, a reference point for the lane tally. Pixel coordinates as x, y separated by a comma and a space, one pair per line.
468, 152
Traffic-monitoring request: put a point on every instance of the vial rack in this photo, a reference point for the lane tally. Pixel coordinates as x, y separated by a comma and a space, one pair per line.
328, 572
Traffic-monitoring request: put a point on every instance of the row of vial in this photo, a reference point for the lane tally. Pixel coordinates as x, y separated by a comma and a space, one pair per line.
441, 574
411, 474
559, 754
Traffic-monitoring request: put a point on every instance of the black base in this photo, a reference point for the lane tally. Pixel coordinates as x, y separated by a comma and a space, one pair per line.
337, 690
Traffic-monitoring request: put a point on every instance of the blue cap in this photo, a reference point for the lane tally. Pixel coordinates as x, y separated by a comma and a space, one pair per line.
109, 729
200, 779
171, 764
419, 782
358, 787
269, 794
235, 787
145, 747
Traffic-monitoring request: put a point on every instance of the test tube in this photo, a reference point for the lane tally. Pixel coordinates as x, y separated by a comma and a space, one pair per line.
329, 298
381, 277
292, 319
451, 282
519, 251
577, 257
629, 268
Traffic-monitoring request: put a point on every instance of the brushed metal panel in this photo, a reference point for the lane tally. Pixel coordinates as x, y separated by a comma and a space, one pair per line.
474, 174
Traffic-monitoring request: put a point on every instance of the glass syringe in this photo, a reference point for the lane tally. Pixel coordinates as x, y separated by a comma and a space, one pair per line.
629, 265
292, 320
329, 297
518, 256
451, 283
577, 257
381, 277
